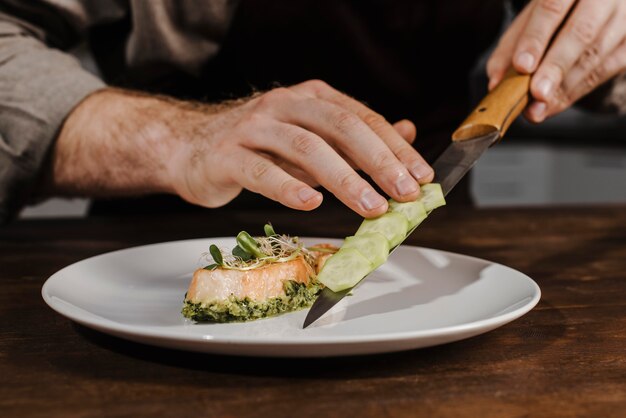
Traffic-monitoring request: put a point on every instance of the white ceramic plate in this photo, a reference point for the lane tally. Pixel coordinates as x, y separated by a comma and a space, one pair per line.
419, 298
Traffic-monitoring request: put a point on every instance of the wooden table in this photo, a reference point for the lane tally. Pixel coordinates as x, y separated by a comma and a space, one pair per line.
567, 357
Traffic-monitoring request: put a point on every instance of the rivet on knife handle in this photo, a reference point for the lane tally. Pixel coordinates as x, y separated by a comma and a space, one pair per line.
498, 109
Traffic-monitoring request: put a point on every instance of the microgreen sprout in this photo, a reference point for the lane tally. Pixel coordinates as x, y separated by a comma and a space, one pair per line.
239, 252
269, 230
252, 252
249, 244
216, 254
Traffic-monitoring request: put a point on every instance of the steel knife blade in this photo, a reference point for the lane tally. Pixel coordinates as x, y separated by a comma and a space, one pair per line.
485, 126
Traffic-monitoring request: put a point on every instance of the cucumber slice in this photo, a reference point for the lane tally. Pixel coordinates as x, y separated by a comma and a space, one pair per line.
344, 269
392, 225
415, 211
370, 246
373, 246
432, 196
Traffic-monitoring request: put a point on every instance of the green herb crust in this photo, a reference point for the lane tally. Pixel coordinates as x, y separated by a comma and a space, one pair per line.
297, 296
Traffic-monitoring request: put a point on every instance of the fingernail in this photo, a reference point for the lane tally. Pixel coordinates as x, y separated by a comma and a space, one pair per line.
372, 200
538, 111
545, 87
406, 185
307, 194
421, 171
525, 61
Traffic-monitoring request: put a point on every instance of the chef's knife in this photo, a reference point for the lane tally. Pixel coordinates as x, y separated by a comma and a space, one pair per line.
483, 127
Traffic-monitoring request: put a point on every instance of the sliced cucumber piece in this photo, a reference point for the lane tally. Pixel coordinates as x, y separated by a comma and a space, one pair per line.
369, 247
344, 269
373, 246
432, 196
414, 211
392, 225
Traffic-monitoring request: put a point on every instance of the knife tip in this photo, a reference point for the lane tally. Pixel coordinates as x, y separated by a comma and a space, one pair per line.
308, 320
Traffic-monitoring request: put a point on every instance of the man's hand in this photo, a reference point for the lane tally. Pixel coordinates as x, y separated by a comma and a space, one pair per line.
280, 144
588, 48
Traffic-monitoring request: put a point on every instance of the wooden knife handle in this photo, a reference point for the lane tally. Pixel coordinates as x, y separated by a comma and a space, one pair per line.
498, 109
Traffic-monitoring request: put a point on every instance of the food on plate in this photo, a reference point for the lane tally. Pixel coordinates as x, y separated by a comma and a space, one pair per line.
370, 246
270, 275
260, 277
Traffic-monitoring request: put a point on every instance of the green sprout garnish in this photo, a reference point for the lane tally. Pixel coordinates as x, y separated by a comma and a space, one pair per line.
216, 254
269, 230
241, 253
252, 252
249, 244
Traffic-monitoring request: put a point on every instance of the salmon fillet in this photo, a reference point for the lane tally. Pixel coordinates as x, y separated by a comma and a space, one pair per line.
257, 284
227, 295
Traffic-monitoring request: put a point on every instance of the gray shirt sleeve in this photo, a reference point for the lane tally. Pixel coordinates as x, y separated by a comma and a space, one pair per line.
39, 86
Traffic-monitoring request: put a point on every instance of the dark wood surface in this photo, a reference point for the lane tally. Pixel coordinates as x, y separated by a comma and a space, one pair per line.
567, 357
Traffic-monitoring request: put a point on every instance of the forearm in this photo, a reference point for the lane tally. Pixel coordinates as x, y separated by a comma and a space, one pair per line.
114, 143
